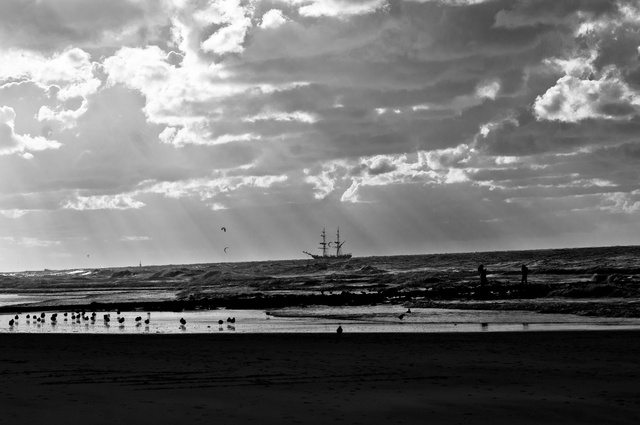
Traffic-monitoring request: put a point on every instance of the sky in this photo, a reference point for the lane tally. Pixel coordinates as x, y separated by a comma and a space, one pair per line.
132, 131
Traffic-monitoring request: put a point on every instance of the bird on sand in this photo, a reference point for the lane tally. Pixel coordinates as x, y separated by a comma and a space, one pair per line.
11, 322
182, 321
339, 330
401, 316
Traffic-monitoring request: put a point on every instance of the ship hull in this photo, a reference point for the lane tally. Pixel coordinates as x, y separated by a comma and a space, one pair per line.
330, 257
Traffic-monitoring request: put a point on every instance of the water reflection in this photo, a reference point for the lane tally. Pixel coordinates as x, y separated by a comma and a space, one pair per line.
319, 319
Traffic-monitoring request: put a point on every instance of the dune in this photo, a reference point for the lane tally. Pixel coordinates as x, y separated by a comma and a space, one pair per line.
481, 378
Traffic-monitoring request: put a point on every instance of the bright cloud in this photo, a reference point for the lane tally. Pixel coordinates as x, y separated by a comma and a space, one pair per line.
573, 99
337, 8
103, 202
273, 19
10, 142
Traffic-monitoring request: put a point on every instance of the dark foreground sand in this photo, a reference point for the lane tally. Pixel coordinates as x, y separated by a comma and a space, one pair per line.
479, 378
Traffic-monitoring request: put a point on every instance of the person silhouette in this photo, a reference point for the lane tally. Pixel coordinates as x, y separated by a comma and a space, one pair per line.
483, 274
525, 272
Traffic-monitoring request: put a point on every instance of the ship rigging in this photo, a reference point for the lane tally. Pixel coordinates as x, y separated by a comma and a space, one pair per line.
326, 246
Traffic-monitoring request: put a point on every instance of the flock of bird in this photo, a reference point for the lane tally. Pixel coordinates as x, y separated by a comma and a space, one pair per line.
83, 317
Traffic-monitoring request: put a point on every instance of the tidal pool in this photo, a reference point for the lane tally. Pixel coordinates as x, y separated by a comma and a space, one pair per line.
385, 318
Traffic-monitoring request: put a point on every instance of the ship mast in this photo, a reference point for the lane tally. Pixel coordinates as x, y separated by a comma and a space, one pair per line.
323, 244
338, 244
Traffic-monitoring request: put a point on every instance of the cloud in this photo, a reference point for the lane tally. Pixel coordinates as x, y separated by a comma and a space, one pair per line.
338, 8
573, 99
228, 39
10, 142
299, 116
13, 213
29, 242
103, 202
273, 19
531, 13
68, 78
53, 25
135, 238
216, 191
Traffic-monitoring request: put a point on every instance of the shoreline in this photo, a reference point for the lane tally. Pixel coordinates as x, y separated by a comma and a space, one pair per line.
586, 377
589, 307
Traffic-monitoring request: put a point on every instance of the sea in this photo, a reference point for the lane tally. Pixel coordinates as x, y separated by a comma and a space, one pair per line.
617, 269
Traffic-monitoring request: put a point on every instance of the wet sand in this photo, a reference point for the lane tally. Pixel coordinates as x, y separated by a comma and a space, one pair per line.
464, 378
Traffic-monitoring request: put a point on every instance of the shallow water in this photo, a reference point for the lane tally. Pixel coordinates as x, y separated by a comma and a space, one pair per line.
320, 319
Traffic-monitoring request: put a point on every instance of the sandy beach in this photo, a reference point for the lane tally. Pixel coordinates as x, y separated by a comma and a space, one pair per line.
466, 378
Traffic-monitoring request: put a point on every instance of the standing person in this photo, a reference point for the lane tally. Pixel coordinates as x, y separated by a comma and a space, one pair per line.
525, 272
483, 275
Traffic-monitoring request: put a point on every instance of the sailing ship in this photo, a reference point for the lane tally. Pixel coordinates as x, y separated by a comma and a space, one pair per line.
325, 246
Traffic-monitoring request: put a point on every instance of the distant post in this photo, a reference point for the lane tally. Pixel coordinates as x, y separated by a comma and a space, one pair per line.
525, 272
483, 275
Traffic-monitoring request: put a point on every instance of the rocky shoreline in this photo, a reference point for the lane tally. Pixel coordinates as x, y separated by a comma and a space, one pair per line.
587, 299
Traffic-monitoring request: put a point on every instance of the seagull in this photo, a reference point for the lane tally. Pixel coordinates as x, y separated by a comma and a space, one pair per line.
121, 320
182, 321
11, 322
339, 330
401, 316
220, 322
